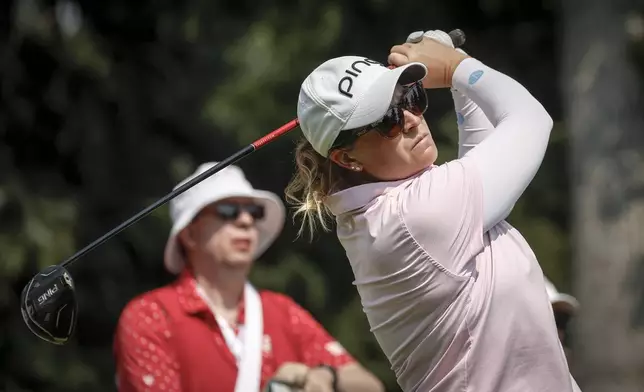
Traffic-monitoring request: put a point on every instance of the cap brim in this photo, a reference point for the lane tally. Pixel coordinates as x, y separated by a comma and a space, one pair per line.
269, 227
376, 100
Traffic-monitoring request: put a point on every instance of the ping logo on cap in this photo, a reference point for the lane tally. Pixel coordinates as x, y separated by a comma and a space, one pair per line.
354, 70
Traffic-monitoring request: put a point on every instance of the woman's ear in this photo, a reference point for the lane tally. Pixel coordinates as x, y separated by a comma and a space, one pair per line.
344, 159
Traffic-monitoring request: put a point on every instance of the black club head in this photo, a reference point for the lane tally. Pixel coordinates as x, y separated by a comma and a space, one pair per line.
48, 305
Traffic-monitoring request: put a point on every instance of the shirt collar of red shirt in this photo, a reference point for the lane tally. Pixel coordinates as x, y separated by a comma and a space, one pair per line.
191, 302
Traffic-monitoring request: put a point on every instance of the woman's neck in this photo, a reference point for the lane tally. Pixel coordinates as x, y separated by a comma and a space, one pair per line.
342, 178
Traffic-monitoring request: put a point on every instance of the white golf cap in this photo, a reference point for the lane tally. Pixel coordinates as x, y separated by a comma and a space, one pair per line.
227, 183
346, 93
560, 301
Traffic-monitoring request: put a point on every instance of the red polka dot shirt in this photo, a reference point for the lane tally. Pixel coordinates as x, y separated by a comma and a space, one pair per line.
167, 340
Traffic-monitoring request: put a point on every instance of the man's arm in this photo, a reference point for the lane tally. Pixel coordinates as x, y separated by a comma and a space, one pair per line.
317, 347
144, 360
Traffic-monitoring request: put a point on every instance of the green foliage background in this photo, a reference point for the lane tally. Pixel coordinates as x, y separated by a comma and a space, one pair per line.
100, 118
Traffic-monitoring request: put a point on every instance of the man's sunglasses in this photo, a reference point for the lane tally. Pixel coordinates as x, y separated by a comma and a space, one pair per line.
231, 211
412, 98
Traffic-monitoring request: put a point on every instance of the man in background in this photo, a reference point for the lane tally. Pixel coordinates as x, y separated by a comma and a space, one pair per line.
210, 329
564, 307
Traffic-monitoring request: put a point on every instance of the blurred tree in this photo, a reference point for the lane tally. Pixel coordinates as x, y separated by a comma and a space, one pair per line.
604, 100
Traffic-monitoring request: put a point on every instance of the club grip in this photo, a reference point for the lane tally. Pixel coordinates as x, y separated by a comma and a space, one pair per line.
458, 37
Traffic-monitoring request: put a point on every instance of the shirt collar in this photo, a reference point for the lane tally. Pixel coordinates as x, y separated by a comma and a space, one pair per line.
191, 302
359, 196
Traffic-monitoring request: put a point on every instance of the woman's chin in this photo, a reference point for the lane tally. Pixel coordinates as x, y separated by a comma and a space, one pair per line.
428, 156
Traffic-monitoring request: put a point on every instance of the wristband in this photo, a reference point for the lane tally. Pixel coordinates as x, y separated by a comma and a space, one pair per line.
333, 372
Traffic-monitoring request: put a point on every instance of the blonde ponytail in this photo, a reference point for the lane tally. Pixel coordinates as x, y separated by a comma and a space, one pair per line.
316, 177
308, 189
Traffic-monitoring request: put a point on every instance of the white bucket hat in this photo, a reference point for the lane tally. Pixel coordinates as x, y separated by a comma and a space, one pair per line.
560, 301
346, 93
229, 182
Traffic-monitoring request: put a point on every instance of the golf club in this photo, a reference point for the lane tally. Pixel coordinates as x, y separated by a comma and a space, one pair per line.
48, 301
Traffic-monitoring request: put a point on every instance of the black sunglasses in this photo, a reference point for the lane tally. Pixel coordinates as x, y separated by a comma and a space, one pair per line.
231, 211
412, 98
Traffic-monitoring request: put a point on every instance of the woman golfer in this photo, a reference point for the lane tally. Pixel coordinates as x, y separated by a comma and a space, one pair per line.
453, 293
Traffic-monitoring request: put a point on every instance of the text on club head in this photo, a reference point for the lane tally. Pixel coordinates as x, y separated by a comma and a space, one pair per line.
47, 294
